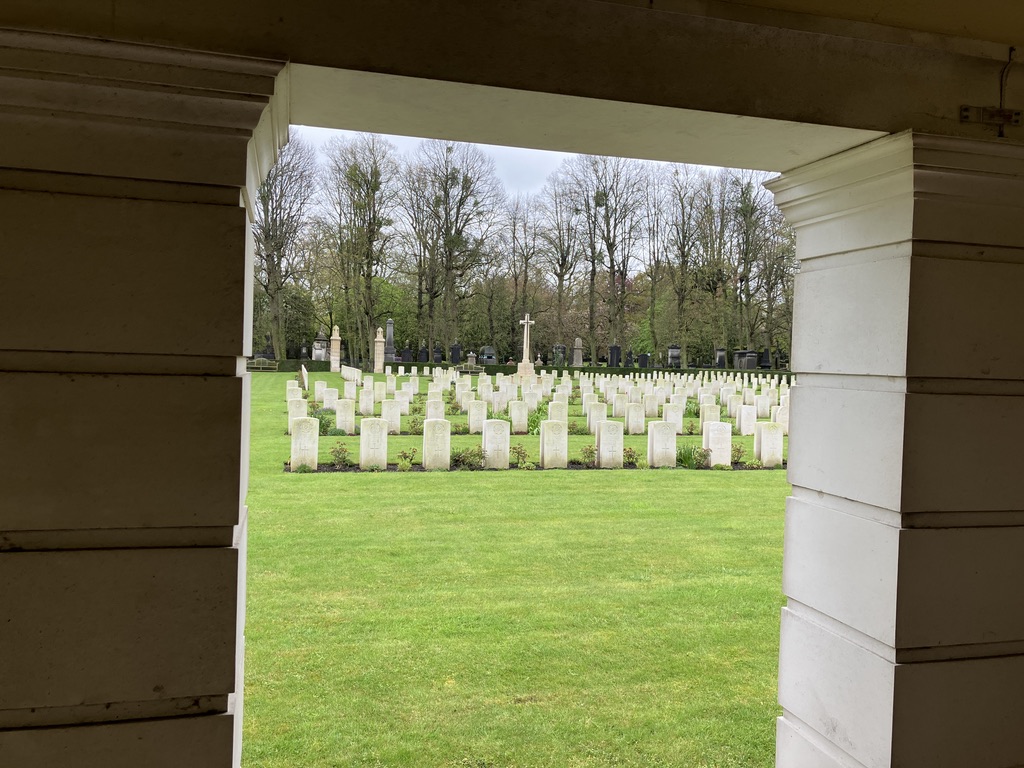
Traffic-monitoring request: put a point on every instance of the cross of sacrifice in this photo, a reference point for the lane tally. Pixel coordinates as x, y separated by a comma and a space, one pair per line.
526, 323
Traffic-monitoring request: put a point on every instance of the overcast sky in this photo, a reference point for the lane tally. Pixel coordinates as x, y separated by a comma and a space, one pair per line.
521, 170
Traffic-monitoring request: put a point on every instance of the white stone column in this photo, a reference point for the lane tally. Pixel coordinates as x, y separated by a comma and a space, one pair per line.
903, 634
122, 169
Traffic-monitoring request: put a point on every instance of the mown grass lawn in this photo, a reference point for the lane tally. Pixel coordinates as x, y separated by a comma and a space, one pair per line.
557, 618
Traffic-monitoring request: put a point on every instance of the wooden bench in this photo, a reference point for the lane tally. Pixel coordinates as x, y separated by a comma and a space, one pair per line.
261, 364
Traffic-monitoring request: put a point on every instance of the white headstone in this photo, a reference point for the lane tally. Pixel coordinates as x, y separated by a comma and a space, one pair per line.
296, 410
350, 390
520, 414
373, 443
673, 413
554, 444
558, 411
746, 419
771, 444
619, 402
305, 443
763, 405
496, 438
330, 399
709, 413
293, 393
661, 445
366, 402
391, 412
380, 391
437, 444
609, 445
718, 439
318, 390
434, 409
635, 421
597, 413
346, 416
477, 415
782, 418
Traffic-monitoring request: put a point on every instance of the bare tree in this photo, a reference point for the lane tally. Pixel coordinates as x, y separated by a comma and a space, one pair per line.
610, 197
462, 196
682, 245
561, 242
359, 184
280, 216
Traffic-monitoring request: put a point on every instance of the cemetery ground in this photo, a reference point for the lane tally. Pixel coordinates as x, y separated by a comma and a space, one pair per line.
492, 619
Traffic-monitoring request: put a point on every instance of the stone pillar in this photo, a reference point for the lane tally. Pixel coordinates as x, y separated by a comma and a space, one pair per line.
389, 342
122, 168
903, 634
336, 350
378, 352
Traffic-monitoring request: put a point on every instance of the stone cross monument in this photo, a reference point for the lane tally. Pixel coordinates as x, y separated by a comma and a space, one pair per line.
525, 366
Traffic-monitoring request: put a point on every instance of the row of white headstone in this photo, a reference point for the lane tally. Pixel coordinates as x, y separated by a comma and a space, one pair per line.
640, 397
554, 446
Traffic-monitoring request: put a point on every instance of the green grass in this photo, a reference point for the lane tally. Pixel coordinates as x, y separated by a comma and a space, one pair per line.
617, 618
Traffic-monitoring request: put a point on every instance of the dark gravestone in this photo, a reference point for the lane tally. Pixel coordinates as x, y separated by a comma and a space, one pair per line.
739, 359
614, 356
389, 342
673, 356
558, 355
424, 355
488, 356
721, 359
407, 356
456, 357
644, 359
766, 359
438, 354
751, 360
629, 359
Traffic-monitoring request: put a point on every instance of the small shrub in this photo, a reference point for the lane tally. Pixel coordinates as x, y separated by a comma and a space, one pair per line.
460, 429
692, 457
755, 464
691, 427
468, 458
404, 465
340, 456
326, 419
415, 408
738, 452
588, 454
303, 469
692, 409
518, 455
312, 407
408, 455
337, 433
375, 468
642, 464
452, 409
630, 455
415, 426
723, 466
576, 428
527, 465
